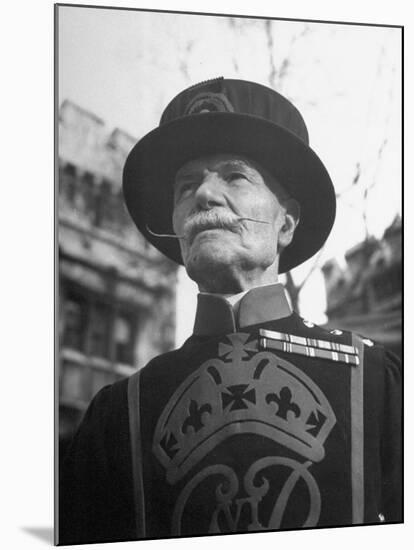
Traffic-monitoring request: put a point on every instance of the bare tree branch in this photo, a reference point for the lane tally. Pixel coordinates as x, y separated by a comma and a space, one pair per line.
270, 44
183, 61
294, 289
278, 74
313, 268
355, 181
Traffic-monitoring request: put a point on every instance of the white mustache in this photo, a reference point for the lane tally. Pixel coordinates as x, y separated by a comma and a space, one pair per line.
207, 220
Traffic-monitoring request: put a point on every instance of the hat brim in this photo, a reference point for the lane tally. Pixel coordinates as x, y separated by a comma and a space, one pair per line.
153, 162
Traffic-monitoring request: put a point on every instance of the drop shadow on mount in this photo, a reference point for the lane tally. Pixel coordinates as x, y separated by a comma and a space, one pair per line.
43, 533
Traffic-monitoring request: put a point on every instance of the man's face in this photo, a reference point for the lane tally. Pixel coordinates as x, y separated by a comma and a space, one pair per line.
213, 196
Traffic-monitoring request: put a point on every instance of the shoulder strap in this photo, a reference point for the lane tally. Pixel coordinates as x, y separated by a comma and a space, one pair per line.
136, 450
357, 433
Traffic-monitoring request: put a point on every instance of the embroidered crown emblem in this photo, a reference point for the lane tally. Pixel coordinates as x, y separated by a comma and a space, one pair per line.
241, 391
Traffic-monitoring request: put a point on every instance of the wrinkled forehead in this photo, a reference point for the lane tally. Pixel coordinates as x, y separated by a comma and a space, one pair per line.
225, 162
216, 162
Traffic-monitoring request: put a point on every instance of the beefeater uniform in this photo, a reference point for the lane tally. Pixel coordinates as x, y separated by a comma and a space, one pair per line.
260, 421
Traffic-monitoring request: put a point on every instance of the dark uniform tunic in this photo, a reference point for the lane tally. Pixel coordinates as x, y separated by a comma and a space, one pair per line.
261, 421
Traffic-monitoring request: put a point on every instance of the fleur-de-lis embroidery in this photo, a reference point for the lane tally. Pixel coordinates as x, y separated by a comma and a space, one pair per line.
284, 403
195, 416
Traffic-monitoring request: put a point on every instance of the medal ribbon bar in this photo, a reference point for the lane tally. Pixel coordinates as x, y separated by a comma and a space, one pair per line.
310, 347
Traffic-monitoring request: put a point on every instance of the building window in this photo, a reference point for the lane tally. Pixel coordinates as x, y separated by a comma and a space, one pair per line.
93, 327
68, 182
88, 191
100, 379
104, 212
100, 330
123, 340
74, 322
73, 384
124, 218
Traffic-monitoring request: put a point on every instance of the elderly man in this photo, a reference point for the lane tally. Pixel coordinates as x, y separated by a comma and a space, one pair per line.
261, 420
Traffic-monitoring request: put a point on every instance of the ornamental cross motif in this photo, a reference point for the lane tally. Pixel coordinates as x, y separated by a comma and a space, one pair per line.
238, 349
238, 397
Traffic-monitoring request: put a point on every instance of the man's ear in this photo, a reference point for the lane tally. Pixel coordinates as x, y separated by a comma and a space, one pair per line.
291, 220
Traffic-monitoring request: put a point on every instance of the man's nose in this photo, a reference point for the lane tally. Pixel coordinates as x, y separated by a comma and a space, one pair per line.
210, 192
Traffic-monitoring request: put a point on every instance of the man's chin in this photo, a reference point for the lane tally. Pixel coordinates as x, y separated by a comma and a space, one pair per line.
212, 255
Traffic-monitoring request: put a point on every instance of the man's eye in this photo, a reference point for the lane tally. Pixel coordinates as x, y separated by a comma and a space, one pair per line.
189, 186
184, 188
233, 176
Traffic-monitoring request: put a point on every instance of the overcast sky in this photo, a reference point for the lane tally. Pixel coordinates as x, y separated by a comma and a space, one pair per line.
125, 66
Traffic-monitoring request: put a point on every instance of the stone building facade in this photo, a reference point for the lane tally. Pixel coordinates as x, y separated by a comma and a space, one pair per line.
116, 292
366, 296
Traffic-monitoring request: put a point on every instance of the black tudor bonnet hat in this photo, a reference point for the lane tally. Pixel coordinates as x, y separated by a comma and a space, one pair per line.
226, 116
